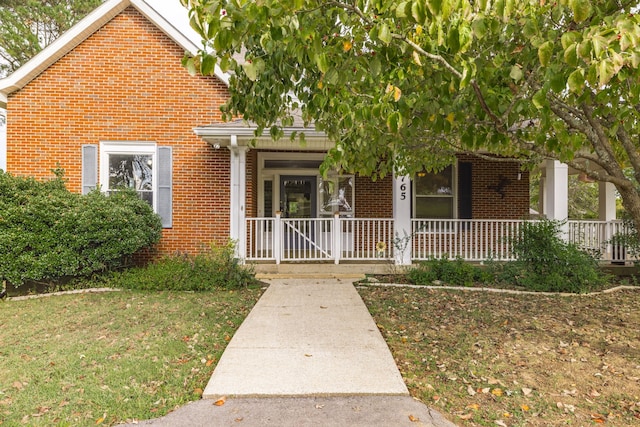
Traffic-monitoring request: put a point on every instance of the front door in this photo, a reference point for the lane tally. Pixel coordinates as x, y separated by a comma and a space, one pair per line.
298, 196
298, 206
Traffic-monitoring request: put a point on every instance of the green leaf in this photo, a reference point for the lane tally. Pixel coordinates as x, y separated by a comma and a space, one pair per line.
539, 99
250, 70
384, 34
576, 81
581, 9
401, 9
322, 62
190, 65
606, 70
394, 122
479, 27
418, 12
516, 73
571, 55
375, 67
208, 64
544, 52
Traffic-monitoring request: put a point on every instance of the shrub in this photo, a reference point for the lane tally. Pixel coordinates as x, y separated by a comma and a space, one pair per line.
545, 262
457, 272
215, 268
48, 233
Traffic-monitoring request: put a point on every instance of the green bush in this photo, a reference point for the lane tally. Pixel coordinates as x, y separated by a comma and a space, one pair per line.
215, 268
48, 233
457, 272
545, 262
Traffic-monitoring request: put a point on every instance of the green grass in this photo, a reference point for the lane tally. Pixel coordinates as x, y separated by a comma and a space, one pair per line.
112, 357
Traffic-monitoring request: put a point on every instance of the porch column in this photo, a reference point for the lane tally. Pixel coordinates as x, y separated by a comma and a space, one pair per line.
237, 222
402, 220
3, 139
557, 194
606, 201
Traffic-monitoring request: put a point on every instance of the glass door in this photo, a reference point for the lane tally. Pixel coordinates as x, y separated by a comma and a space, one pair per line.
298, 196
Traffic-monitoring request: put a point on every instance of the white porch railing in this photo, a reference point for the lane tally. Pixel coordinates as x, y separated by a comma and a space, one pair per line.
471, 240
319, 239
596, 238
362, 239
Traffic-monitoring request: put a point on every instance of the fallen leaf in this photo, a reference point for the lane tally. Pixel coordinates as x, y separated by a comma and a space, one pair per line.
238, 419
526, 391
473, 406
471, 391
466, 416
497, 392
197, 391
594, 393
220, 401
319, 406
100, 420
485, 390
18, 385
413, 419
209, 362
501, 423
598, 418
524, 407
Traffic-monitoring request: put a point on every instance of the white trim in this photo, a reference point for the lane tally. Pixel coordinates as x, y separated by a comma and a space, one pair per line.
128, 147
3, 139
104, 13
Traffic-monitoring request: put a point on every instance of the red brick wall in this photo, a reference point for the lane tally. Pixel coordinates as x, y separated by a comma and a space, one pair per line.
374, 199
126, 83
488, 203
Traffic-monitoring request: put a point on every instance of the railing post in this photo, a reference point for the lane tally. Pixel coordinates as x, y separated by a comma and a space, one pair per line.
277, 237
337, 237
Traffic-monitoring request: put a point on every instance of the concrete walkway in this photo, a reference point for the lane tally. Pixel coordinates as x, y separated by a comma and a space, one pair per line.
307, 337
308, 354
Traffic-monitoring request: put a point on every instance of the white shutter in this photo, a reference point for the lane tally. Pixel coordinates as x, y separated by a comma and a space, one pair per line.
165, 191
89, 167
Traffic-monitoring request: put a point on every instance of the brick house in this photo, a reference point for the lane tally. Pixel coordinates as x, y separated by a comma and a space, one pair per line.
111, 104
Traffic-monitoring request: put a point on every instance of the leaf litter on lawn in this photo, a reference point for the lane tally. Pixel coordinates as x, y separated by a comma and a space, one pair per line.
488, 359
112, 357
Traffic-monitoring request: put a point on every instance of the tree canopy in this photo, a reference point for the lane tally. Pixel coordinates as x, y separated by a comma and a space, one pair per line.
27, 26
404, 85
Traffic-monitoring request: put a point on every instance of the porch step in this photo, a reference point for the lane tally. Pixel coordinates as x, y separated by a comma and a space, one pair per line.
321, 270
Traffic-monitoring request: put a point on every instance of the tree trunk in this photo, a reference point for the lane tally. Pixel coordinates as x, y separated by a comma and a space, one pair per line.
631, 203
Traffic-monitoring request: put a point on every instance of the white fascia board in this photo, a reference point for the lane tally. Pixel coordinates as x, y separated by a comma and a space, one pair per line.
85, 28
60, 47
244, 131
245, 136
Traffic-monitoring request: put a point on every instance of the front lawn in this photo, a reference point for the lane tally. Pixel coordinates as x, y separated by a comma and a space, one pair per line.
496, 359
106, 358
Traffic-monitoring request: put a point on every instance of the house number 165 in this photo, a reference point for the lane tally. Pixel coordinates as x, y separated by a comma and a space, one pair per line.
403, 190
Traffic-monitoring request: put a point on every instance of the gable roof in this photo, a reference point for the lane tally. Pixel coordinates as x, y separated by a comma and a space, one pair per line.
176, 26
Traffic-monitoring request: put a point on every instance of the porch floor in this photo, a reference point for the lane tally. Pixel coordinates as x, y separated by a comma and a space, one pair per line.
323, 270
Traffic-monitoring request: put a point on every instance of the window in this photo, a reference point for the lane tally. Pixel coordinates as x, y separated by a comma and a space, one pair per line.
434, 194
131, 166
336, 195
142, 166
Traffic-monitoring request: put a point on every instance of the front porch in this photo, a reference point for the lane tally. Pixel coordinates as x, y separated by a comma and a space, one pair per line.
348, 240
